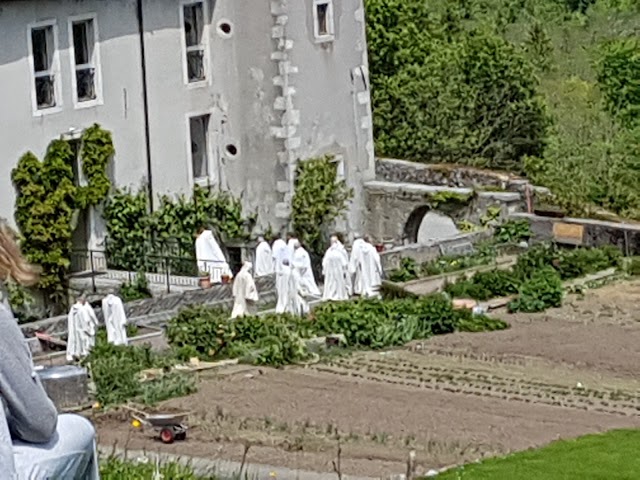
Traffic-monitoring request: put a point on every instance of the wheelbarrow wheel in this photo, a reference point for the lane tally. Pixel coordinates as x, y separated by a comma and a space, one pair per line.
167, 435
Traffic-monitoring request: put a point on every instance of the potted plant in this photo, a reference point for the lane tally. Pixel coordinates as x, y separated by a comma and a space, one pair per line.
204, 281
225, 279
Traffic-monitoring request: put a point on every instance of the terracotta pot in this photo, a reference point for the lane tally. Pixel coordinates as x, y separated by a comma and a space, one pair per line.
204, 282
225, 279
380, 248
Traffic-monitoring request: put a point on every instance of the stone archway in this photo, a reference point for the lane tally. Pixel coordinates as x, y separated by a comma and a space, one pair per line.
425, 225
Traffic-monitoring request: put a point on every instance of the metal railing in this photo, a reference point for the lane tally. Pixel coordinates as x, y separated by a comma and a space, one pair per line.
170, 271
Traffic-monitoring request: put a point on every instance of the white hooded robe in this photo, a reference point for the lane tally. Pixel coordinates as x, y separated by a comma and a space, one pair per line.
302, 263
355, 272
244, 288
335, 269
210, 257
264, 259
279, 252
115, 320
290, 299
370, 270
82, 324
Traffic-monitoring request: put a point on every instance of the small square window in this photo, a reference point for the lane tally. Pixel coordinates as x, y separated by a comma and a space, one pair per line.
323, 20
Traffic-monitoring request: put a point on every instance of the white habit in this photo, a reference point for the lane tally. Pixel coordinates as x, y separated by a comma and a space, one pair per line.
302, 263
365, 263
354, 261
264, 259
115, 320
81, 330
291, 245
210, 257
279, 252
290, 299
244, 289
335, 269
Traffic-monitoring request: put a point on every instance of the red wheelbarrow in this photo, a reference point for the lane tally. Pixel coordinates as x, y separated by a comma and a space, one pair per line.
169, 427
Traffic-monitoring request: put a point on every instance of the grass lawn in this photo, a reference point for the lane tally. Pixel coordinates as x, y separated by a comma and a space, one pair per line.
609, 456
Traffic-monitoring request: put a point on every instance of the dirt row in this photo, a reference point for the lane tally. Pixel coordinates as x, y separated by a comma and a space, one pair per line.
452, 399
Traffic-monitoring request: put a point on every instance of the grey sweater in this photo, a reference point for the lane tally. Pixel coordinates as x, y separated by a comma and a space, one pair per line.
30, 415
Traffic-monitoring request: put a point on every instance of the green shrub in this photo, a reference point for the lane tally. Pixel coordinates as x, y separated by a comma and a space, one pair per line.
113, 468
543, 290
485, 285
115, 372
513, 231
408, 271
633, 267
136, 289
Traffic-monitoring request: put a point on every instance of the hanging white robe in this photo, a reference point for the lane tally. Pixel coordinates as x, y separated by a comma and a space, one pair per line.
81, 330
370, 271
115, 320
244, 289
210, 258
335, 270
355, 272
290, 299
264, 259
302, 263
279, 252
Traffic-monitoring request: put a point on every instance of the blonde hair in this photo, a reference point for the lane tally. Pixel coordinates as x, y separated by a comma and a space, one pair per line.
13, 266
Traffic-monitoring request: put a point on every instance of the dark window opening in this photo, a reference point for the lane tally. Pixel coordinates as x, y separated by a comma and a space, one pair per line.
42, 51
193, 36
323, 18
83, 47
198, 132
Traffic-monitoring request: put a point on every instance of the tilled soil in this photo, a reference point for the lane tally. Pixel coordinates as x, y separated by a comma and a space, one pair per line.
452, 399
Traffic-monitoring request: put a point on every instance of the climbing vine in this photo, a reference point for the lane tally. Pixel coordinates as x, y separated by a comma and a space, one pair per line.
97, 148
45, 203
48, 200
319, 199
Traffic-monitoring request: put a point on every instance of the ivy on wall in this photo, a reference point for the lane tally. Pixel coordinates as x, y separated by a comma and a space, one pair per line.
96, 150
319, 199
47, 201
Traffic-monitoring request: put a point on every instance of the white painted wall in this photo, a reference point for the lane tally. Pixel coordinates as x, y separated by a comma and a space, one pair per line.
240, 89
121, 112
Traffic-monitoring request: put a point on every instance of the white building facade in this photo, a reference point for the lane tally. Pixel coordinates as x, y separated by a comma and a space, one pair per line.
228, 94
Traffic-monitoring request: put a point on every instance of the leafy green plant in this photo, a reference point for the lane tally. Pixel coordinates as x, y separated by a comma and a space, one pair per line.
96, 151
136, 289
114, 468
543, 290
45, 204
513, 231
408, 270
319, 199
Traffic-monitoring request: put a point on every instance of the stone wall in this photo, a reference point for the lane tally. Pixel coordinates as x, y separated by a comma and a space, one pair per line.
444, 175
596, 233
392, 258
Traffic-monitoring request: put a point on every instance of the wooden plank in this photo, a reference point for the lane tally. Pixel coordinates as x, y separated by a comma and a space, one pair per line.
569, 233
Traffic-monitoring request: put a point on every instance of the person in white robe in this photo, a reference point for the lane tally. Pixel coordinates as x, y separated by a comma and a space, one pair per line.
335, 268
82, 324
279, 252
368, 269
245, 293
210, 258
264, 258
302, 264
115, 320
337, 244
355, 272
291, 244
290, 299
